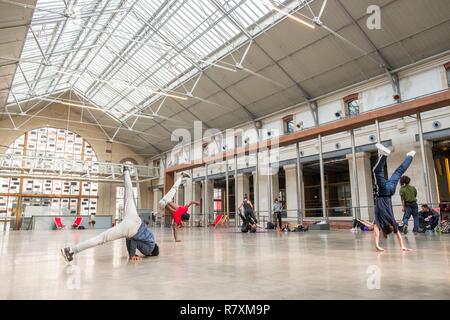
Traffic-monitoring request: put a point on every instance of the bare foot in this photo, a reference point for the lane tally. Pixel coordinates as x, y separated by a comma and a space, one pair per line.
379, 249
406, 249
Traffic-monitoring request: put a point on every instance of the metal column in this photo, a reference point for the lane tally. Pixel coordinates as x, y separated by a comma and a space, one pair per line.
299, 187
357, 210
256, 185
205, 192
191, 222
377, 127
227, 187
269, 186
138, 190
322, 180
426, 174
236, 199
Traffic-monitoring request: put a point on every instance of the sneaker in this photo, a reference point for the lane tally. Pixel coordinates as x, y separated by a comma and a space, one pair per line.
161, 204
411, 154
185, 175
67, 254
382, 150
405, 229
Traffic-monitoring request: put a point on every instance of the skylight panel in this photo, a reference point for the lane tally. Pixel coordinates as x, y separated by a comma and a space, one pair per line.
116, 52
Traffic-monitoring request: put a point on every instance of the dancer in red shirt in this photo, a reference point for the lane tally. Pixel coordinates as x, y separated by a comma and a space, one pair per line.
178, 213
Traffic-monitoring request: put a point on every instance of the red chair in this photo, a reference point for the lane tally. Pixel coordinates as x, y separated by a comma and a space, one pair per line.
218, 218
58, 223
76, 224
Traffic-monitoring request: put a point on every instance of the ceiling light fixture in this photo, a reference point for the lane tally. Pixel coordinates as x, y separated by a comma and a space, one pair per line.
71, 104
124, 85
306, 23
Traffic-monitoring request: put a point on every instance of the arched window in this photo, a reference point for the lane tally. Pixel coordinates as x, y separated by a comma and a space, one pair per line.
352, 105
61, 196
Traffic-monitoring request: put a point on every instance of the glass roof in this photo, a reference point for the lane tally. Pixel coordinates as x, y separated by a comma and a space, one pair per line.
124, 54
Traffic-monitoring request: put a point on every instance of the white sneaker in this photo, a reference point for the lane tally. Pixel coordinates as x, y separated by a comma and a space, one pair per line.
161, 204
411, 154
382, 150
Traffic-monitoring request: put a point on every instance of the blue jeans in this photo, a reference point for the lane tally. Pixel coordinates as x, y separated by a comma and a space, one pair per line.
384, 187
411, 209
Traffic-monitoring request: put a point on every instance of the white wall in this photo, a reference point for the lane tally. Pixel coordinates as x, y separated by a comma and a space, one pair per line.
379, 96
421, 83
328, 110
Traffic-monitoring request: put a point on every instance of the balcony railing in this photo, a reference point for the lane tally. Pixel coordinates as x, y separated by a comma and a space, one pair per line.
12, 165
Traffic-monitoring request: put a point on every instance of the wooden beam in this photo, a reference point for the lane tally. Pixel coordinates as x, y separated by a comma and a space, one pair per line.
395, 111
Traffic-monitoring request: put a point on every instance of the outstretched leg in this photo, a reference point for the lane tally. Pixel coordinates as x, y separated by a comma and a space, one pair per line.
126, 229
168, 197
395, 178
378, 173
368, 224
130, 211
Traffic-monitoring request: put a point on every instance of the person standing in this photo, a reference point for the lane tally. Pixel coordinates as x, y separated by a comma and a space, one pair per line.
408, 193
277, 208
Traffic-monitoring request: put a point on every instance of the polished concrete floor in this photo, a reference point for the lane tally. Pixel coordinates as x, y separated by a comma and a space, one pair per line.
224, 264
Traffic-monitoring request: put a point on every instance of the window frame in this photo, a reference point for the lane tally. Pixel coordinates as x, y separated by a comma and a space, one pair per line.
447, 69
286, 121
350, 99
29, 191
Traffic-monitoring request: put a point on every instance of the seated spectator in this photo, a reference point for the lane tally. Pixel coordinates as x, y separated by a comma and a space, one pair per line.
429, 218
363, 225
91, 221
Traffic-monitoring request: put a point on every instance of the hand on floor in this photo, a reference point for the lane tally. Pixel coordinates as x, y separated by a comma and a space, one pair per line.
135, 258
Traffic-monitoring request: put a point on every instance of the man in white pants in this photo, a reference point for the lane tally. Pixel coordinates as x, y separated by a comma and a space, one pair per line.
138, 236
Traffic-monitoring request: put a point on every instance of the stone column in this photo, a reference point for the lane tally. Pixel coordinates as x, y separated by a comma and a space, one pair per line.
365, 183
157, 195
242, 185
291, 191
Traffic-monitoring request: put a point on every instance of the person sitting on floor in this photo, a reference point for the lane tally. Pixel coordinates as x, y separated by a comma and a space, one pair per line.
362, 224
429, 218
249, 220
137, 236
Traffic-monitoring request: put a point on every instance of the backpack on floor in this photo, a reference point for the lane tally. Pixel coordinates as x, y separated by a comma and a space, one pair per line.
270, 226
